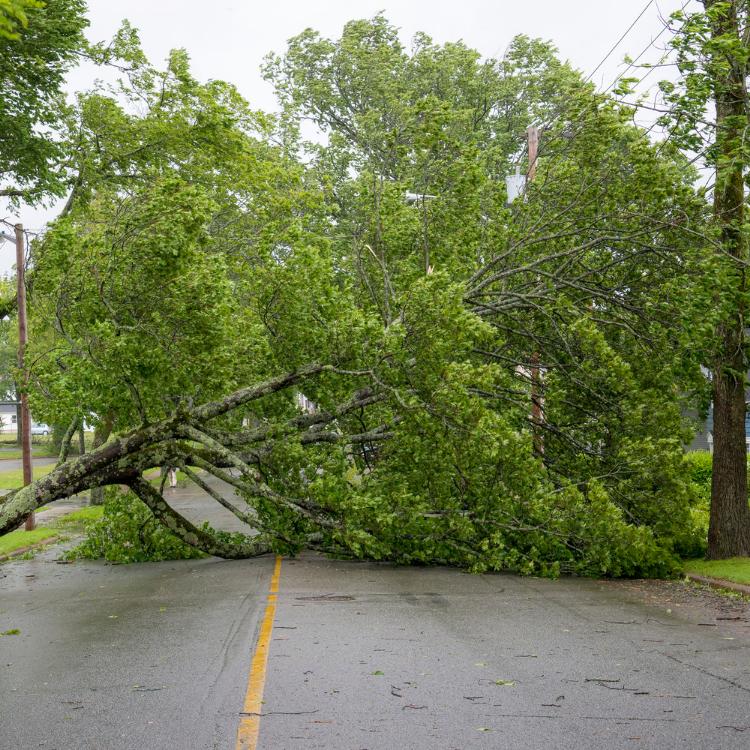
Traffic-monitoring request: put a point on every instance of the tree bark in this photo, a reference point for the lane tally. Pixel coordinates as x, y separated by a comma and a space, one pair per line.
729, 525
199, 538
67, 440
101, 435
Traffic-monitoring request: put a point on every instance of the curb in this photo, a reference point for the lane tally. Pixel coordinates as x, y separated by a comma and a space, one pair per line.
718, 583
28, 548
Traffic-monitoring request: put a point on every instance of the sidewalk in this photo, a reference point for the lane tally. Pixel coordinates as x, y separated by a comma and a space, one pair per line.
197, 506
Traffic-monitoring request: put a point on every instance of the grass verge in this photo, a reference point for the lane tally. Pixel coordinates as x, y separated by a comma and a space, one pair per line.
11, 480
19, 539
15, 453
75, 520
54, 530
736, 569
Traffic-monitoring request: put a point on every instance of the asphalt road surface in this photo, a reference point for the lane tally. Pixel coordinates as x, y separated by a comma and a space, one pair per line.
13, 464
363, 656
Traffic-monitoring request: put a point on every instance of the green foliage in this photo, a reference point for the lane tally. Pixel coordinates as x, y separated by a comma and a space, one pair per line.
197, 257
39, 43
699, 467
13, 16
128, 533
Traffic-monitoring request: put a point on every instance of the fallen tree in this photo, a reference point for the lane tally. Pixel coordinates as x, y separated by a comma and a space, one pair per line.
188, 439
171, 292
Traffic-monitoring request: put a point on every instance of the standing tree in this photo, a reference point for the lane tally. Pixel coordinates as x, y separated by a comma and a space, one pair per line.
713, 49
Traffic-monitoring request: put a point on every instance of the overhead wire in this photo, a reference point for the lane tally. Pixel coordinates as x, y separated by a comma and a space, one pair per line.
619, 41
581, 125
577, 131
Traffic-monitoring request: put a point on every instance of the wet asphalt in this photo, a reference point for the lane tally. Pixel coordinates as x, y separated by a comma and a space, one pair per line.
363, 657
13, 464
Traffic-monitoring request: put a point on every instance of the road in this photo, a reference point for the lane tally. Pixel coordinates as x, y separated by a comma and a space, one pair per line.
363, 656
13, 464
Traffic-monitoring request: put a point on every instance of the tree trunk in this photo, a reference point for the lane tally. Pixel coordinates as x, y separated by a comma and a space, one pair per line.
18, 414
729, 527
101, 434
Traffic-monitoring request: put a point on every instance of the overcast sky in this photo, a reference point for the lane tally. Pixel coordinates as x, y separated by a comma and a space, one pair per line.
228, 40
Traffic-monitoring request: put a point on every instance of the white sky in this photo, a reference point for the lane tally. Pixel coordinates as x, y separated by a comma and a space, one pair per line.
228, 40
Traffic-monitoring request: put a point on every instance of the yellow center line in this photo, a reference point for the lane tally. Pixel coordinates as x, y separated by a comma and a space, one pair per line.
247, 733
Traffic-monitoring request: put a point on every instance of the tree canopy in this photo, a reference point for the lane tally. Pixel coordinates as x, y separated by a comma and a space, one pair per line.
494, 385
39, 43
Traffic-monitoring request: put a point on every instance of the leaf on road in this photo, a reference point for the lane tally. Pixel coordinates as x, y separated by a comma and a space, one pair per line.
377, 673
505, 683
12, 631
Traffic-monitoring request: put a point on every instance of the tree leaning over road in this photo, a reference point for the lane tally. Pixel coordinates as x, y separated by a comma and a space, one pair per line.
188, 438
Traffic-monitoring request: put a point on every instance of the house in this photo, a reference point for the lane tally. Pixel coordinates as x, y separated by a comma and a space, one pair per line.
8, 417
704, 437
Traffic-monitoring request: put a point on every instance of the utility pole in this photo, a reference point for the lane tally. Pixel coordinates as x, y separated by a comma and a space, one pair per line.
537, 413
532, 137
25, 422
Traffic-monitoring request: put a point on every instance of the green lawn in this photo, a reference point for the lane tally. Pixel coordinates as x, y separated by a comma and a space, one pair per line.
75, 520
39, 451
735, 569
10, 480
19, 539
72, 523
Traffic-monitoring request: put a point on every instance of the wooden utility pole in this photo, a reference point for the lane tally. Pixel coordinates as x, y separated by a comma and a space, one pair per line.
537, 413
24, 424
532, 136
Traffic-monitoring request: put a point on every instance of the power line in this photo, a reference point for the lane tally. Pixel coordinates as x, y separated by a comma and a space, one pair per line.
652, 68
619, 41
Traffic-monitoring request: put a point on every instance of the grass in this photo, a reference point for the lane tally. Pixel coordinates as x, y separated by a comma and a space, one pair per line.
72, 523
39, 451
19, 539
75, 520
12, 479
735, 569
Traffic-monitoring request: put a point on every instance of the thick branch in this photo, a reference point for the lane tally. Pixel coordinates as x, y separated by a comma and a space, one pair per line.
203, 540
67, 440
